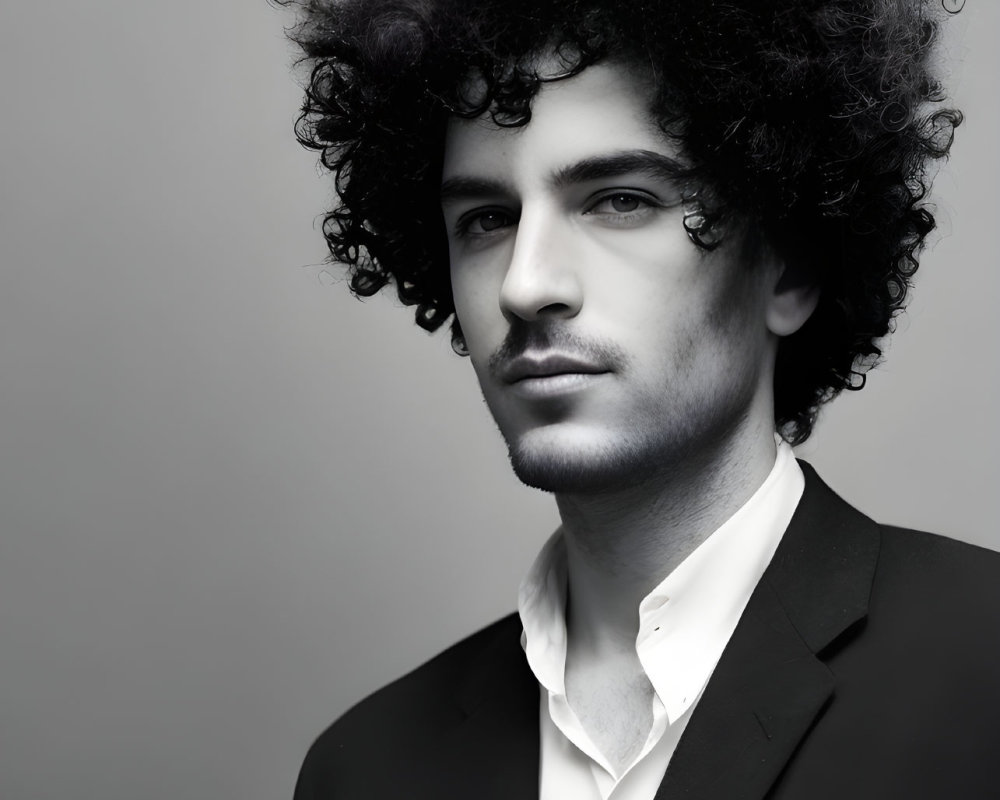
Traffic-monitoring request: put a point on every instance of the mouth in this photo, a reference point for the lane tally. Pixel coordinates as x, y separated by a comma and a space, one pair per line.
548, 374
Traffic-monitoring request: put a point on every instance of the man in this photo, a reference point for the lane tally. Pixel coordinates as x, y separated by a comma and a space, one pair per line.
668, 232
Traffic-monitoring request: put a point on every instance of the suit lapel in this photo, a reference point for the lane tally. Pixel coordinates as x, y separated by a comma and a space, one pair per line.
769, 686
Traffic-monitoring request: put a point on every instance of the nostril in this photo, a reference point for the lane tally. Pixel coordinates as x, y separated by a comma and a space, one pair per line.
554, 308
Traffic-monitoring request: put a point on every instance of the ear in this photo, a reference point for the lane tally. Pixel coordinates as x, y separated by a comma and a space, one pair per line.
792, 300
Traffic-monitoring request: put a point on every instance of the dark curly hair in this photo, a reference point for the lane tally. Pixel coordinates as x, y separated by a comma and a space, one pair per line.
811, 121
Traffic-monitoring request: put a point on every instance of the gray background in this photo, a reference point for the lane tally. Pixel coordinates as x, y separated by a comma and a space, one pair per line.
233, 499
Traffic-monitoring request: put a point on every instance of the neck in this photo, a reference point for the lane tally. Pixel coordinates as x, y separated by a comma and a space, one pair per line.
620, 544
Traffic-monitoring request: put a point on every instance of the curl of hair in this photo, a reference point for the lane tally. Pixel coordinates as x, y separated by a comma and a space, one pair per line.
814, 121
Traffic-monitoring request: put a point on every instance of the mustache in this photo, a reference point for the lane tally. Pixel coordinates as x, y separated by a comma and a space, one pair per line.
524, 337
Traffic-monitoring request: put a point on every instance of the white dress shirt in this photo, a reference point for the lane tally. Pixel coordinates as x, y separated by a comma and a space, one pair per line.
684, 625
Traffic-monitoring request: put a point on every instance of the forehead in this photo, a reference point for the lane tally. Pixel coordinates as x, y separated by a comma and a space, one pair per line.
603, 109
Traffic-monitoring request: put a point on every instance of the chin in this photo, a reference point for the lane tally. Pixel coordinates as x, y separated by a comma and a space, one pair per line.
583, 470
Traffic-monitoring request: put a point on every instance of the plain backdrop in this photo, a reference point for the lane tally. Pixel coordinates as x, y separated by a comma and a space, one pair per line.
233, 499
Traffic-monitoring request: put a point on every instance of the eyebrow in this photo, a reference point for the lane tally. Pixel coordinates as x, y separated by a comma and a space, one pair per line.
465, 188
645, 162
611, 165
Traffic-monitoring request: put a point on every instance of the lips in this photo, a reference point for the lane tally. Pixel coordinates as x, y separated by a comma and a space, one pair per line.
529, 367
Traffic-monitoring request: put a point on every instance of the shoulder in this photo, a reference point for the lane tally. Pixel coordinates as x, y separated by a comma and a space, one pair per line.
918, 613
916, 691
931, 569
929, 646
397, 718
903, 571
914, 550
913, 667
931, 584
426, 688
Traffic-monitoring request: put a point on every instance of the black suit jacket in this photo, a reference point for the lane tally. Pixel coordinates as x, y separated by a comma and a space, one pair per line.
866, 665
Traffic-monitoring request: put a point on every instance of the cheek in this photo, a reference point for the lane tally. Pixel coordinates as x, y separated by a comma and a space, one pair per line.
478, 310
710, 328
651, 275
735, 333
468, 294
476, 279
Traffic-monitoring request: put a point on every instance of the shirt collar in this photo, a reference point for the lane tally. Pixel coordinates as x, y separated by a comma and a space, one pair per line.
687, 619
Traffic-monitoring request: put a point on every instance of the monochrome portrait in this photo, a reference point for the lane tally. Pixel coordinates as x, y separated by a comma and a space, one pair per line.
424, 398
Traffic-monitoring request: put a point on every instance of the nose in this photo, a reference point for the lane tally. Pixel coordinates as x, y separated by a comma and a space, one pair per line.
542, 279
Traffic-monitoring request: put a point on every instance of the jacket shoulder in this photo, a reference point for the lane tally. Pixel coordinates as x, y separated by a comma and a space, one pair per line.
916, 560
390, 724
936, 544
943, 585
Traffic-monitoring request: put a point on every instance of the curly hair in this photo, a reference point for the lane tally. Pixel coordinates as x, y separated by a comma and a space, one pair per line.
812, 121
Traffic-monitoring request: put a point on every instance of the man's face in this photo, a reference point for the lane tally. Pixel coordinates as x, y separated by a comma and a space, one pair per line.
608, 346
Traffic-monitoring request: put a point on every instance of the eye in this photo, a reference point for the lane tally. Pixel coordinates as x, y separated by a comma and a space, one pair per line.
622, 203
484, 221
622, 206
